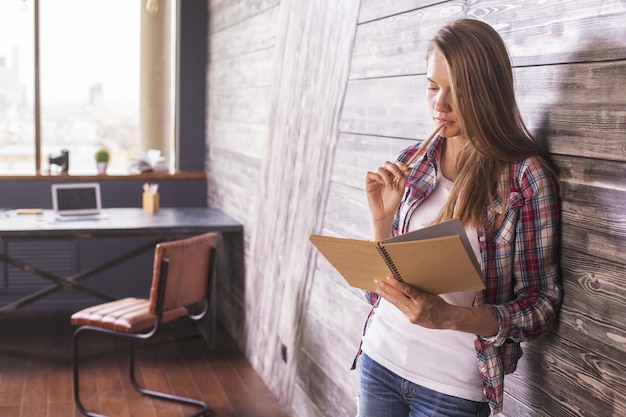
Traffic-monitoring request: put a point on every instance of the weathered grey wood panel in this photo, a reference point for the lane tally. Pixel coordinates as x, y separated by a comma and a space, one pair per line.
254, 33
593, 312
245, 138
346, 212
229, 178
276, 92
321, 328
594, 221
225, 13
568, 381
230, 285
241, 59
395, 45
357, 154
345, 302
393, 106
593, 215
577, 110
251, 69
561, 31
376, 9
312, 80
323, 396
248, 104
311, 43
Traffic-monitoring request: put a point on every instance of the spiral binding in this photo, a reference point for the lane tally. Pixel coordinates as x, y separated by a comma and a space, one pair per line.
392, 266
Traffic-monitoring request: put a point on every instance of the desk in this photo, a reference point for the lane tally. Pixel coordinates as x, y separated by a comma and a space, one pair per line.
121, 222
167, 223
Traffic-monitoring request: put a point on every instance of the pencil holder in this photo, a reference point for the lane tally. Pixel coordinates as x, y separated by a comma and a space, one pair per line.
150, 202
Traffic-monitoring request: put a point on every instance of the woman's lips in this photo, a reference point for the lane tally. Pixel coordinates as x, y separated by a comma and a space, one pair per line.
445, 122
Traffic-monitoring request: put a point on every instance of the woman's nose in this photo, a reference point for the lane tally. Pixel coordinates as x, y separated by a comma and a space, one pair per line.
442, 102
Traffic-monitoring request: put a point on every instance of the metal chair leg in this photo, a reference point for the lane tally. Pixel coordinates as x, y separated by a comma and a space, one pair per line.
204, 409
76, 357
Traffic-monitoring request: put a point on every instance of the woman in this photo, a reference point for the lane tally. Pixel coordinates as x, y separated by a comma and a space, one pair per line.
428, 355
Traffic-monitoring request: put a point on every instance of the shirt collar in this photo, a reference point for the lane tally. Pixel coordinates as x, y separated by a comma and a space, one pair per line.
433, 152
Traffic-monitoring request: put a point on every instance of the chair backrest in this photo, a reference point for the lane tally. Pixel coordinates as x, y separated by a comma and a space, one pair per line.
188, 272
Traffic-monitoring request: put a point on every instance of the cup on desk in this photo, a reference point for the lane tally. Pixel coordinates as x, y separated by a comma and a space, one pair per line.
150, 202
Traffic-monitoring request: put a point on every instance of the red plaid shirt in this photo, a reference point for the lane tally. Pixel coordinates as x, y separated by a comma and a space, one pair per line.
519, 259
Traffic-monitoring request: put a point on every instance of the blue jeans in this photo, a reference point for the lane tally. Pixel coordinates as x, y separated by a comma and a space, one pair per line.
384, 394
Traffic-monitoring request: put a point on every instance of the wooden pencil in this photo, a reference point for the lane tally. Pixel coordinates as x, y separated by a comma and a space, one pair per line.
424, 145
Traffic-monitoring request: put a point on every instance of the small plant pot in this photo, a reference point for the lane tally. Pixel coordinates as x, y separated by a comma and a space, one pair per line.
102, 167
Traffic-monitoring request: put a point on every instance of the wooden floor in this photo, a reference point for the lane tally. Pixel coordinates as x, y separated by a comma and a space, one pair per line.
36, 381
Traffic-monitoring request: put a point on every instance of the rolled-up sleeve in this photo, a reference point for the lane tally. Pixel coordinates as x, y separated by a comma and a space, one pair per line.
526, 291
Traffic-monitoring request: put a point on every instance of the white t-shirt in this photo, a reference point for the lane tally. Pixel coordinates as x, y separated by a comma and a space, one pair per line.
442, 360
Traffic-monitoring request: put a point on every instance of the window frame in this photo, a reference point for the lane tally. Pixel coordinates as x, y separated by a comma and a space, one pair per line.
190, 107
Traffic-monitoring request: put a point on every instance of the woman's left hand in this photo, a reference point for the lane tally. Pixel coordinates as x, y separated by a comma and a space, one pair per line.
424, 309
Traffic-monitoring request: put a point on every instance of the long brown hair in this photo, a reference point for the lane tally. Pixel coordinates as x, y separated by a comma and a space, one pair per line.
483, 90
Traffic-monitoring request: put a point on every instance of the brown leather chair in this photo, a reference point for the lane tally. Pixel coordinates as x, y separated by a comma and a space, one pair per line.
183, 270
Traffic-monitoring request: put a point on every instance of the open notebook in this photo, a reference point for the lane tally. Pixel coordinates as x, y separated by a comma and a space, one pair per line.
77, 201
437, 259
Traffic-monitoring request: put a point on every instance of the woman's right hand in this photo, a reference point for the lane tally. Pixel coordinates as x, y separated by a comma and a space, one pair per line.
384, 189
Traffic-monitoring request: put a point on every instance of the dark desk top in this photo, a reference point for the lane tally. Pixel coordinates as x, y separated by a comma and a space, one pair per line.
119, 222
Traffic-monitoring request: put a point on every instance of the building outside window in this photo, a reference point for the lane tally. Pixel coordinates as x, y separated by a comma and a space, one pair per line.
90, 89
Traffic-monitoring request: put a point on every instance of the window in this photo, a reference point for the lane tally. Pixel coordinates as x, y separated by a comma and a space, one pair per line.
89, 84
17, 130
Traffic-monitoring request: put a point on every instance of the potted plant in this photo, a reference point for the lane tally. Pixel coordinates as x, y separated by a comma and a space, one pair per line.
102, 160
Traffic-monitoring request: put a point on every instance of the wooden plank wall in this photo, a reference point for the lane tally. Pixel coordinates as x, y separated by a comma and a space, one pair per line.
305, 96
240, 69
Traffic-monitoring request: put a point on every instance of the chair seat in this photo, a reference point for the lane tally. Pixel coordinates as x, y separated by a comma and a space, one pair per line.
128, 315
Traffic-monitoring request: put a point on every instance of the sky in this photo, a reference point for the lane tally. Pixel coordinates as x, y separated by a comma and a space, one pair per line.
82, 43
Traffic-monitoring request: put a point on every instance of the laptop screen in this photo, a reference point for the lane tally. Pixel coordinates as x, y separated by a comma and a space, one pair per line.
76, 199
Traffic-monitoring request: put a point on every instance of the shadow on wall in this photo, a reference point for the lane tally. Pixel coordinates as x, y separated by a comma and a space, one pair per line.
231, 286
583, 129
584, 120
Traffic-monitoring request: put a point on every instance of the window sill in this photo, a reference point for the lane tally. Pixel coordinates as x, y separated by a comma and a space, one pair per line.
107, 177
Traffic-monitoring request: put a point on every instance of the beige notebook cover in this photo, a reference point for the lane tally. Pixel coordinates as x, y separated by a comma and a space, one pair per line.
437, 259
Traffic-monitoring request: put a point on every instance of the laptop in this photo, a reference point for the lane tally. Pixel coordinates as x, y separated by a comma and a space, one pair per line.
77, 201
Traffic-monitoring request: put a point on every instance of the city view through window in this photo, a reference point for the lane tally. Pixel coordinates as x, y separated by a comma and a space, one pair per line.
89, 83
